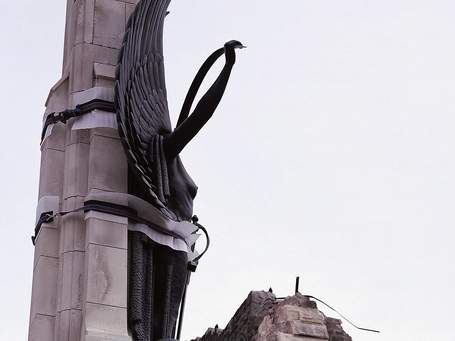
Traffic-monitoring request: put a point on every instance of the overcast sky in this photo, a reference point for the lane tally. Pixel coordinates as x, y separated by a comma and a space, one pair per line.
331, 157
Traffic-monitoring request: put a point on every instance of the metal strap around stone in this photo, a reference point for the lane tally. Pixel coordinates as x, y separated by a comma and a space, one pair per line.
64, 116
106, 207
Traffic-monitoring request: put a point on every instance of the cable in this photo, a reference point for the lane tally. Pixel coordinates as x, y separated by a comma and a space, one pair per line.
195, 220
365, 329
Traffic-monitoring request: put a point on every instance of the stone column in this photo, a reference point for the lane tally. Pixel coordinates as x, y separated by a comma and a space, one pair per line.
80, 270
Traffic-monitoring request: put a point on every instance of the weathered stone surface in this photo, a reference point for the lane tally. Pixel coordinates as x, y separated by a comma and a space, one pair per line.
72, 226
106, 276
44, 283
71, 270
295, 316
83, 58
336, 332
51, 179
108, 168
57, 141
262, 317
299, 300
78, 136
104, 75
102, 322
47, 244
288, 312
246, 321
288, 337
68, 324
42, 328
303, 328
104, 231
108, 29
76, 169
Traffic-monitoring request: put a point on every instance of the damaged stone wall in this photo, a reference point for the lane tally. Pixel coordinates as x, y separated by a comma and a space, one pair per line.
263, 317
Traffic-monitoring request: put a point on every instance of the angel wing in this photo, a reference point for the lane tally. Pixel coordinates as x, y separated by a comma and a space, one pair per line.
140, 93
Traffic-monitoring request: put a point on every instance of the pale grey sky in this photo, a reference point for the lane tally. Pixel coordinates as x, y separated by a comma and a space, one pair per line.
331, 157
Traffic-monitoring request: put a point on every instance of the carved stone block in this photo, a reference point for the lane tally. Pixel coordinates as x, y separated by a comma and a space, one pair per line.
44, 283
108, 168
106, 276
102, 230
104, 323
42, 328
71, 280
76, 170
47, 244
68, 325
108, 29
51, 179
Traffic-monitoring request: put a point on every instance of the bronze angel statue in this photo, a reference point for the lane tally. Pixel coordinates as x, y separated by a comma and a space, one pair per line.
158, 273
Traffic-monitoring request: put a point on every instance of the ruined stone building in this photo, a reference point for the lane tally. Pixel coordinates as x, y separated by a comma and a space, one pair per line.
263, 317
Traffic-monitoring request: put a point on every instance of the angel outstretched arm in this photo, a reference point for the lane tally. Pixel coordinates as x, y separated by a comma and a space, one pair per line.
175, 142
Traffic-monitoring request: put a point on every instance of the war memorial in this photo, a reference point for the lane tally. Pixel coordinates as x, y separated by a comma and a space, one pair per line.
115, 234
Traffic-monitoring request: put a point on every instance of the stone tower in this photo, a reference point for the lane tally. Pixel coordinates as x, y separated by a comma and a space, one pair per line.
80, 266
